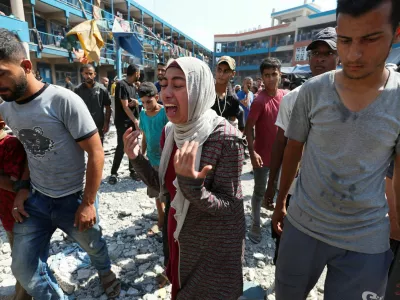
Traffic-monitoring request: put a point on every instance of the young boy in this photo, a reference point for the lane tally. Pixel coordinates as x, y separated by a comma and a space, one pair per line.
12, 164
152, 121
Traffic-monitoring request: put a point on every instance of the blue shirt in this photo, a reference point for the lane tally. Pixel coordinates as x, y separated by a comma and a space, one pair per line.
152, 128
242, 95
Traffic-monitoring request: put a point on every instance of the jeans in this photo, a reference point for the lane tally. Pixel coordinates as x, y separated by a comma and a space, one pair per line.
20, 293
260, 186
119, 151
32, 239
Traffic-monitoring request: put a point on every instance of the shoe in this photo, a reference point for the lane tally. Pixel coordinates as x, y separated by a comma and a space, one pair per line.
135, 177
255, 234
113, 179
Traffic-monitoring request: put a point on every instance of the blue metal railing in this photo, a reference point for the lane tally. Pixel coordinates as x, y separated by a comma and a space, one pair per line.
46, 38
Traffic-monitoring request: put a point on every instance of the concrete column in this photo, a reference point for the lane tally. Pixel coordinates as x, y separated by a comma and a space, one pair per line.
118, 62
53, 73
17, 9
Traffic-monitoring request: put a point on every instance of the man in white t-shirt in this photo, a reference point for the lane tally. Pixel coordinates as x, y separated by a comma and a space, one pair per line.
323, 58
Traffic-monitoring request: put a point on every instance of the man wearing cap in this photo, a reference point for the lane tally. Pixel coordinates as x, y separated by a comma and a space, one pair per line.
227, 103
323, 58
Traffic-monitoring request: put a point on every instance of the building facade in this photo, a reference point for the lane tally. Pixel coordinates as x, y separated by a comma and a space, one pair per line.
287, 39
42, 25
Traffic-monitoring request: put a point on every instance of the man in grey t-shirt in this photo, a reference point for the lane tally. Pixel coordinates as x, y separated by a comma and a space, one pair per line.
348, 123
56, 129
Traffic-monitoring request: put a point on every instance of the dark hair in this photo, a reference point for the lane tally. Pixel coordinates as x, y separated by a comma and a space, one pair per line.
254, 89
68, 77
270, 63
132, 69
11, 48
87, 66
356, 8
161, 64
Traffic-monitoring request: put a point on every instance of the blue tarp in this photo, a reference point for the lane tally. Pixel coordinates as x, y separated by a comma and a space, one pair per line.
129, 42
299, 69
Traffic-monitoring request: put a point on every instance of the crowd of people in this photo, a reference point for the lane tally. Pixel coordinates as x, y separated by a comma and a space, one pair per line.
325, 158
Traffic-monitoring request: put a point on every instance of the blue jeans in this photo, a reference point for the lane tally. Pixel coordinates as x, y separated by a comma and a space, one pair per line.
260, 186
32, 239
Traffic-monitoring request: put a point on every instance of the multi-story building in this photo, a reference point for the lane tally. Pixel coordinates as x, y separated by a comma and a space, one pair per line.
287, 39
49, 20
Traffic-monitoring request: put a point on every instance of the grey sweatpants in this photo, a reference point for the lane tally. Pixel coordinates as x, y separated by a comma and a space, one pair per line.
351, 275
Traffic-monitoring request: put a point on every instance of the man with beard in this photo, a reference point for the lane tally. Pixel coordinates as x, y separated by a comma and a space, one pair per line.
56, 129
96, 98
345, 128
323, 58
161, 69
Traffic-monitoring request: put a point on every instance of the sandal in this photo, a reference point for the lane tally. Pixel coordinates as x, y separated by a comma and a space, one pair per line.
154, 231
111, 285
162, 280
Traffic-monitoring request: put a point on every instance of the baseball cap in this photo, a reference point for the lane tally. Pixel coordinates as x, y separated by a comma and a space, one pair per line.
147, 89
229, 60
327, 35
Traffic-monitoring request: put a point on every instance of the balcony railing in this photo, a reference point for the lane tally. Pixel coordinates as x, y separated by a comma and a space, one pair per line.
257, 62
46, 38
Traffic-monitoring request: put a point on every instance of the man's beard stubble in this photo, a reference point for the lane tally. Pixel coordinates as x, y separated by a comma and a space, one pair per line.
19, 89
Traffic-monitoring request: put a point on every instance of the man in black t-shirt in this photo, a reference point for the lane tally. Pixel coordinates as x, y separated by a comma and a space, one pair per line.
227, 103
126, 115
96, 98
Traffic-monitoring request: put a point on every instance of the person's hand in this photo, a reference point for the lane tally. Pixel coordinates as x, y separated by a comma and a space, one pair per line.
133, 103
245, 88
184, 161
106, 128
18, 211
136, 122
131, 143
269, 196
277, 218
256, 160
85, 216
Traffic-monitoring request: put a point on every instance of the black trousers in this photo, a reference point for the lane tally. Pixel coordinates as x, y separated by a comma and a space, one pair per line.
119, 152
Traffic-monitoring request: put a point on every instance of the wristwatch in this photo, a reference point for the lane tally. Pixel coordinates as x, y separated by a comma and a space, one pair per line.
21, 184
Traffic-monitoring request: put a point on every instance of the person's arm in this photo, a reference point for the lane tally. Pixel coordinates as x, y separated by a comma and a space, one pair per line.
141, 165
396, 184
225, 198
85, 216
297, 133
16, 168
254, 114
107, 105
129, 113
278, 149
144, 143
107, 119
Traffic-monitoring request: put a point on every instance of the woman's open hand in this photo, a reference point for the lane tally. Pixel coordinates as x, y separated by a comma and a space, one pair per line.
185, 159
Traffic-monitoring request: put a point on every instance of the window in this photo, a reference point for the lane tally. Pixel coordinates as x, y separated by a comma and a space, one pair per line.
301, 53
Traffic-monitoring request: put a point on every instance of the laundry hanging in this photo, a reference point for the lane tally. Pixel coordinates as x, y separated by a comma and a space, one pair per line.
90, 39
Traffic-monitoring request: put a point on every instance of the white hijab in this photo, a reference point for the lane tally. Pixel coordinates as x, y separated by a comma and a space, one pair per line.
202, 121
